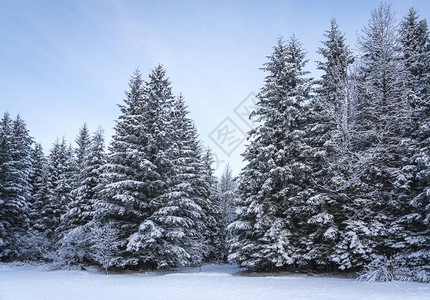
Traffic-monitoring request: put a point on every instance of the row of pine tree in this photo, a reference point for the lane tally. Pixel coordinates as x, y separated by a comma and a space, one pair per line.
338, 171
152, 201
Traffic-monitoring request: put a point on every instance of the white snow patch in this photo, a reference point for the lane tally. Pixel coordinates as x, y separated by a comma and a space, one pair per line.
214, 282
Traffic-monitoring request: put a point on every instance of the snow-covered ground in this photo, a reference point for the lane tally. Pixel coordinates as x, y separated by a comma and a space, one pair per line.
213, 282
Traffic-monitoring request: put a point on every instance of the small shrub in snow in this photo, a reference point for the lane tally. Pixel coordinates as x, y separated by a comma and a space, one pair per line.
382, 268
104, 244
422, 275
35, 246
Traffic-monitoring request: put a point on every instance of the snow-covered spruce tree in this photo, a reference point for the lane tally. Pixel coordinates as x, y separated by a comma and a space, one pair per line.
272, 188
191, 166
129, 177
380, 142
329, 136
5, 157
227, 190
210, 203
38, 244
83, 140
183, 189
15, 188
6, 218
171, 235
415, 48
80, 154
61, 167
39, 192
21, 171
335, 92
148, 242
74, 244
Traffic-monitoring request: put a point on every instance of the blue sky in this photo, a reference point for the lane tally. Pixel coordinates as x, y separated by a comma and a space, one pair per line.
63, 63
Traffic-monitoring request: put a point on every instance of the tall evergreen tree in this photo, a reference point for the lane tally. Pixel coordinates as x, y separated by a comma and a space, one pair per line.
36, 246
227, 190
83, 140
144, 136
382, 116
415, 48
170, 236
15, 188
128, 172
184, 190
272, 184
211, 206
149, 242
61, 164
329, 137
40, 192
335, 90
81, 209
5, 157
74, 244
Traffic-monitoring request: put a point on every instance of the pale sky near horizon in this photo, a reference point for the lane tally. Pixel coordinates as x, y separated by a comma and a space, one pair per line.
63, 63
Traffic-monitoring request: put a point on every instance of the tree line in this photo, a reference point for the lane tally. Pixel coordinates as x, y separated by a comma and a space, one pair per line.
337, 172
151, 201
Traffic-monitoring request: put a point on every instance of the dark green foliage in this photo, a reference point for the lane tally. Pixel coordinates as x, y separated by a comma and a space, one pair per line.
15, 188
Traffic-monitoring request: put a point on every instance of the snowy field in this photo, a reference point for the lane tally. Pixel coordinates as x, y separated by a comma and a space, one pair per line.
214, 282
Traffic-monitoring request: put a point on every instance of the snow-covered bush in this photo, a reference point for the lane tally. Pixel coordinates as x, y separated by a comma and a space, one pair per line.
35, 246
104, 243
382, 268
73, 247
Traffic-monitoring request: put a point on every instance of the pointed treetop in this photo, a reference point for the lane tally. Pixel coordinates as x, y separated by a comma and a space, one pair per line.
158, 81
83, 135
381, 26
